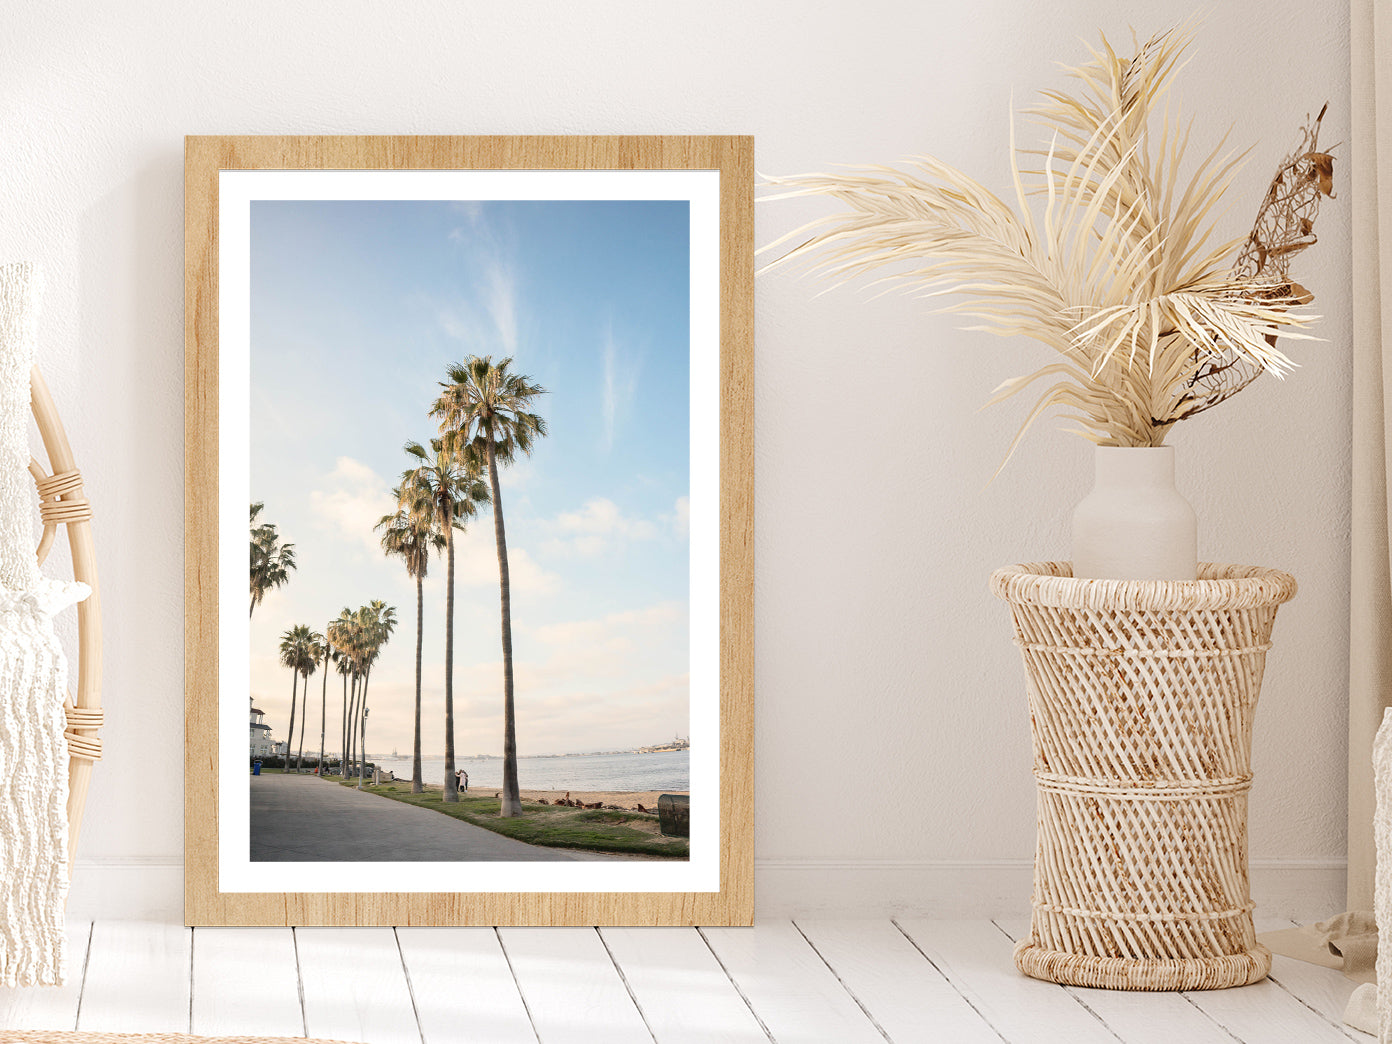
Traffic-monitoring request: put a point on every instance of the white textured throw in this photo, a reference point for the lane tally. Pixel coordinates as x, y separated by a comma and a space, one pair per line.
33, 681
1361, 1010
1382, 894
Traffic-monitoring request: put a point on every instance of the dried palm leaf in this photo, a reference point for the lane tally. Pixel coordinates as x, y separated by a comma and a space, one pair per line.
1285, 225
1119, 273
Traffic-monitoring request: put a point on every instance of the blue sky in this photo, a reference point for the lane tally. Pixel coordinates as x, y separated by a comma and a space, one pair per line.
357, 309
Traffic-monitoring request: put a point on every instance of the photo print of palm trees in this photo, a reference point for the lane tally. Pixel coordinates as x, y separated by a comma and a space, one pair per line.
469, 470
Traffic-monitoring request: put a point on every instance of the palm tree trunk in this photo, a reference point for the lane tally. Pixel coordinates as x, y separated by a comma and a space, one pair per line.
343, 734
355, 735
512, 797
451, 793
417, 783
253, 609
290, 736
323, 710
362, 731
304, 712
352, 720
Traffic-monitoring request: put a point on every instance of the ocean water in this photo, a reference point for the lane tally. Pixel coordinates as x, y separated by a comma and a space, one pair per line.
664, 770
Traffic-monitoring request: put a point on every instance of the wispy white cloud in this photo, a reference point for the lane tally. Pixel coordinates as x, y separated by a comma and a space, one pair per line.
680, 518
517, 475
471, 211
489, 324
614, 632
598, 527
487, 321
476, 563
350, 501
620, 371
500, 298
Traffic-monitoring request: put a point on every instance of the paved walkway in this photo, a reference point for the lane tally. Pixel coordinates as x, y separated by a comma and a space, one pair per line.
306, 819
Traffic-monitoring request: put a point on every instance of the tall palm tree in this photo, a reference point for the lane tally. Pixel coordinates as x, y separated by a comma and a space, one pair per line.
294, 650
343, 632
307, 666
484, 414
271, 561
411, 536
326, 654
378, 622
449, 489
345, 669
358, 639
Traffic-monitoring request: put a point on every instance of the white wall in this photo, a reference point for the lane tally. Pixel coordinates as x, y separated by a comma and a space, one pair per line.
893, 758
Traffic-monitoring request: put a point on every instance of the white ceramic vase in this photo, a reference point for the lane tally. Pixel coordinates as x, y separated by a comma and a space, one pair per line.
1134, 525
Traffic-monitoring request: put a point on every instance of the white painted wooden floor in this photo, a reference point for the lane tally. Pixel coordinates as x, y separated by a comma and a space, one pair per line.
829, 982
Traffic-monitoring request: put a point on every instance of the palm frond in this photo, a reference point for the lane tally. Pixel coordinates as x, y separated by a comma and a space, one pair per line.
1108, 253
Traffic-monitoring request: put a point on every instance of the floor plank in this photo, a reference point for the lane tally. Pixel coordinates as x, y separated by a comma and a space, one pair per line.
790, 988
572, 988
137, 978
1323, 989
816, 981
683, 993
233, 965
906, 996
976, 957
1266, 1014
50, 1008
355, 986
463, 987
1139, 1017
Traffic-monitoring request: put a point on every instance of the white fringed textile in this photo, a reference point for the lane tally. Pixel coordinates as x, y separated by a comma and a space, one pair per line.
1382, 884
33, 681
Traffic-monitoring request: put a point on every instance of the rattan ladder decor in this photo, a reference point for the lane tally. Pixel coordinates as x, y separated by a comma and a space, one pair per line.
1141, 696
62, 502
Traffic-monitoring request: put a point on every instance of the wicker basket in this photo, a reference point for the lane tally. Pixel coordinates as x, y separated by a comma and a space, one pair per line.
1141, 696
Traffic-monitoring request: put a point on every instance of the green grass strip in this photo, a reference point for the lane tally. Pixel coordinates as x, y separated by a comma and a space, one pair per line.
551, 826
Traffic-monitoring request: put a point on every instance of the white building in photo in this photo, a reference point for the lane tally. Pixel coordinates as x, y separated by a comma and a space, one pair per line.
262, 745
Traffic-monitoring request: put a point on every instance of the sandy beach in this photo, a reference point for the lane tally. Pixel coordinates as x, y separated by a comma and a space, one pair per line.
629, 799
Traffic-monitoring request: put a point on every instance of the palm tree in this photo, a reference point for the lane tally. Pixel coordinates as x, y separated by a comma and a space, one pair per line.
378, 621
345, 670
358, 645
447, 489
343, 632
484, 414
307, 666
411, 536
294, 650
326, 653
271, 561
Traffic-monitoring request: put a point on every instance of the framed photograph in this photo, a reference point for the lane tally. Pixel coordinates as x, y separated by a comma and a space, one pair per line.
485, 405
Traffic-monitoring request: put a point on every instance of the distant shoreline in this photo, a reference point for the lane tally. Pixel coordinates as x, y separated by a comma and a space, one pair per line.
628, 799
524, 757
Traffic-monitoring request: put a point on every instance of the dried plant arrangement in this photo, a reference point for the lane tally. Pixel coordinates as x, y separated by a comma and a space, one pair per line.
1120, 274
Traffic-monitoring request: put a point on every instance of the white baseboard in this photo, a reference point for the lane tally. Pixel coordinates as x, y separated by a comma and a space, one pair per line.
1304, 890
127, 890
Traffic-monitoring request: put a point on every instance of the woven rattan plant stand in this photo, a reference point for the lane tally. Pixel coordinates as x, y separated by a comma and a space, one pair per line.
1141, 696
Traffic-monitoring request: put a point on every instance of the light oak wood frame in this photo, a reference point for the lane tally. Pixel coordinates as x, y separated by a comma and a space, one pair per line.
204, 157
